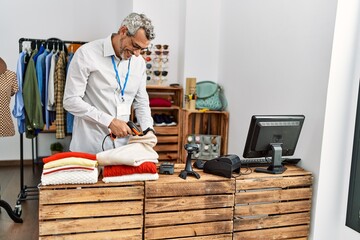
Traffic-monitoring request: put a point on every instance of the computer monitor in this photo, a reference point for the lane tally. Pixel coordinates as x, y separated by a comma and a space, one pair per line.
273, 136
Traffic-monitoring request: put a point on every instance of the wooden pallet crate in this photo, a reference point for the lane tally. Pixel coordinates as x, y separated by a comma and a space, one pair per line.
91, 211
273, 206
189, 209
209, 122
169, 137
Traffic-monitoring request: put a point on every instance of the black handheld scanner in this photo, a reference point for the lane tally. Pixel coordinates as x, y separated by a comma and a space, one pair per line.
135, 129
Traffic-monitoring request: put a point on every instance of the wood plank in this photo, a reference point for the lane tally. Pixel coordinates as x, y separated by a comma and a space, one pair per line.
167, 130
167, 139
290, 171
187, 189
90, 210
166, 147
185, 217
280, 182
272, 208
153, 205
293, 219
204, 177
90, 225
90, 195
273, 234
273, 195
133, 234
168, 156
189, 230
99, 184
211, 237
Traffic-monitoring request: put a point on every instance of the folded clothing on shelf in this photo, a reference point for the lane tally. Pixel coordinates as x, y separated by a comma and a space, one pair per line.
159, 102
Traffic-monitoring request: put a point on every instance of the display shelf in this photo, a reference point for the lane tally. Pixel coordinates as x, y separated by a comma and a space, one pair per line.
206, 123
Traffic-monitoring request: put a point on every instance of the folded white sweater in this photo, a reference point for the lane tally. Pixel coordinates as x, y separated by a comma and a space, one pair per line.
138, 150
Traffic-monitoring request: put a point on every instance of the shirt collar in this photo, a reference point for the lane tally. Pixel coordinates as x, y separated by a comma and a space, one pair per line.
108, 48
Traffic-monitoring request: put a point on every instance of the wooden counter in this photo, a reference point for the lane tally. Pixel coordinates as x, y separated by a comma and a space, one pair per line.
255, 206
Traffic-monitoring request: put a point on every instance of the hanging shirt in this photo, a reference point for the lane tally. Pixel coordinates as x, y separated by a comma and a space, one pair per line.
92, 95
40, 74
51, 85
47, 74
33, 110
69, 116
18, 110
8, 87
59, 93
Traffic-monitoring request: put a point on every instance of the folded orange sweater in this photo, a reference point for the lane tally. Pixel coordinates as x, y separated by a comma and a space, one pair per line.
61, 155
120, 170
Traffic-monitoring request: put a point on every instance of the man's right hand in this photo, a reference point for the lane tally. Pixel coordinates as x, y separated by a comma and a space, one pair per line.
119, 128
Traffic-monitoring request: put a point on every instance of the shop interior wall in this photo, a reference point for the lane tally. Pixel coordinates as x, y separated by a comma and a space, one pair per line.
272, 57
82, 20
280, 63
338, 137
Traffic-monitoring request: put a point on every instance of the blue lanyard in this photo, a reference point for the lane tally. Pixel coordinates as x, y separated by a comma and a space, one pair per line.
122, 90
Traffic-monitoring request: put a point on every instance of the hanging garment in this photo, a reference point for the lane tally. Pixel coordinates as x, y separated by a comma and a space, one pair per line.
59, 86
47, 74
32, 103
19, 110
8, 87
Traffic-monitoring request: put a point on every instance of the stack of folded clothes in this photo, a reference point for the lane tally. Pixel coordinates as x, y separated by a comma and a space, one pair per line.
135, 161
70, 168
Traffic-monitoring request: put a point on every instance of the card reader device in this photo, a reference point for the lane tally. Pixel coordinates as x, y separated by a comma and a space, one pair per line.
223, 166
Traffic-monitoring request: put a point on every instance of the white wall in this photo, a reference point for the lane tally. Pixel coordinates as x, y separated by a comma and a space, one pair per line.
81, 20
338, 135
272, 57
169, 26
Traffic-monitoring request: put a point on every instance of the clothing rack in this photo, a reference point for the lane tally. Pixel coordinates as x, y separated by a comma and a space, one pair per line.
31, 192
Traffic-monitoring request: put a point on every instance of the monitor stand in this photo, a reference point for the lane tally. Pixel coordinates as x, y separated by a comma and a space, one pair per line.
276, 167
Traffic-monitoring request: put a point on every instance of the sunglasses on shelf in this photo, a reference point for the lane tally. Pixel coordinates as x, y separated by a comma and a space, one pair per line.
159, 46
160, 59
146, 52
161, 52
162, 73
148, 66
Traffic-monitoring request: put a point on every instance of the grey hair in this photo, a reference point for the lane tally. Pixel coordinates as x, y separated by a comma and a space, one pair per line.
135, 21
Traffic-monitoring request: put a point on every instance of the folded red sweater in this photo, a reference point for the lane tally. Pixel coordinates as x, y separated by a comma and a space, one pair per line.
120, 170
61, 155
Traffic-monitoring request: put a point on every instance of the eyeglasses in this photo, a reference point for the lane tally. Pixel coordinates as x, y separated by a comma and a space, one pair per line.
160, 59
148, 65
159, 46
148, 72
137, 47
161, 52
163, 73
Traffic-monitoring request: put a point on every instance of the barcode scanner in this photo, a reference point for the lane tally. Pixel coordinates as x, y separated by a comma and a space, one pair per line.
135, 129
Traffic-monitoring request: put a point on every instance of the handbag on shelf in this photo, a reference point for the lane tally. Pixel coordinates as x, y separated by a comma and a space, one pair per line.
210, 96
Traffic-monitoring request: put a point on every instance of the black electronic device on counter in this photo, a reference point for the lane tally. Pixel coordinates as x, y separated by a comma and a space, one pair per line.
223, 166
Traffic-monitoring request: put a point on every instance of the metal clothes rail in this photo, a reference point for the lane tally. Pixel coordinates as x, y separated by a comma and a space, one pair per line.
31, 192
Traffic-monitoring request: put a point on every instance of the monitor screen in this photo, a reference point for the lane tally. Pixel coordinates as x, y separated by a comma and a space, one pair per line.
273, 136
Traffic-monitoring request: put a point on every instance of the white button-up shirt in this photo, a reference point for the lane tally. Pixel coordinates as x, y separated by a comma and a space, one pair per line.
92, 95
